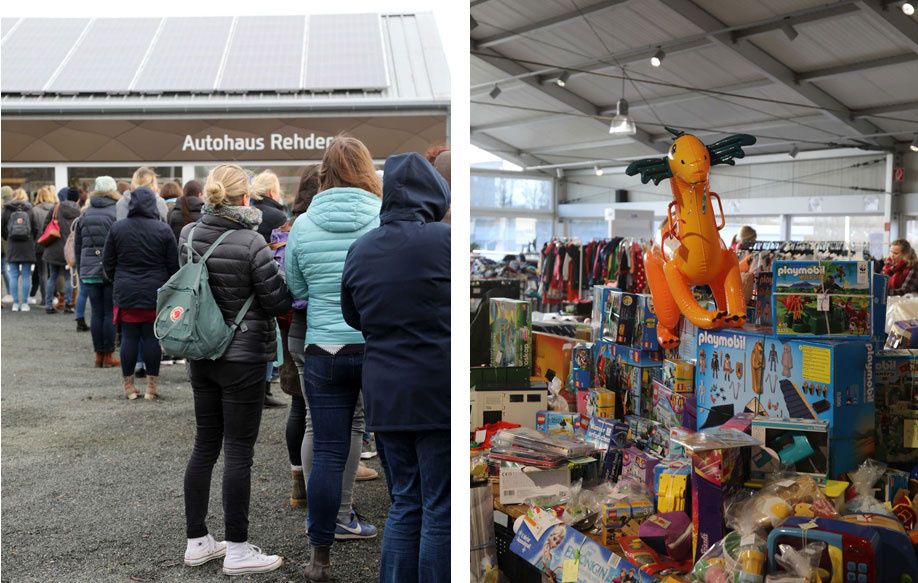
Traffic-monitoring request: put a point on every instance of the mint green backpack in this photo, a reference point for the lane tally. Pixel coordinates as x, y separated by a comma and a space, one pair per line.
189, 322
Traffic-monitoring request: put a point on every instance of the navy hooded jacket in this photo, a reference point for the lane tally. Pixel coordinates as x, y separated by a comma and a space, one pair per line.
140, 253
396, 290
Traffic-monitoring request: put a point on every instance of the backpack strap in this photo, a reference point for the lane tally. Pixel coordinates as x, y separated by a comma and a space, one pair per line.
237, 321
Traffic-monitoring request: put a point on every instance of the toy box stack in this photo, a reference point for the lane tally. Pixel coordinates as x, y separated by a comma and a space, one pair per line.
896, 381
511, 332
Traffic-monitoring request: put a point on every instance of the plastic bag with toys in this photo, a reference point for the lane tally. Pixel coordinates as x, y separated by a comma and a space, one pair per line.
800, 566
862, 481
785, 496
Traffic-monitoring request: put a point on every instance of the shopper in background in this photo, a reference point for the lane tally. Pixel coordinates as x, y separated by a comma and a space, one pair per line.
745, 236
188, 207
123, 187
140, 254
346, 207
67, 212
6, 193
44, 204
170, 192
902, 268
79, 305
266, 196
143, 176
443, 164
396, 291
229, 391
88, 245
19, 230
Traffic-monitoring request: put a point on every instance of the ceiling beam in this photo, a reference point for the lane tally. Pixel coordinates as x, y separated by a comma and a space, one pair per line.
684, 96
608, 143
562, 95
906, 26
774, 69
813, 15
546, 24
510, 123
477, 3
505, 150
817, 74
883, 109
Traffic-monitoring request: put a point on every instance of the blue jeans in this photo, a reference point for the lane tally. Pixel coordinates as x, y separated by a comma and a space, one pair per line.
20, 277
100, 325
332, 387
6, 273
416, 541
53, 272
80, 307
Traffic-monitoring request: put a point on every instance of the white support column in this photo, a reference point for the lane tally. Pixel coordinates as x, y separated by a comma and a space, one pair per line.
785, 227
60, 177
187, 173
890, 213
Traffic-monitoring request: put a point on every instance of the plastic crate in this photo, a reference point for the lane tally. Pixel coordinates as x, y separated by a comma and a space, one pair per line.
510, 564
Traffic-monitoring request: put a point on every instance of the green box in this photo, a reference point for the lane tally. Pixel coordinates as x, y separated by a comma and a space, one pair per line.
511, 332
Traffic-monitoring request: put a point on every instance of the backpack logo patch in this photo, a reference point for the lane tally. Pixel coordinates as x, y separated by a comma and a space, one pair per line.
19, 221
176, 313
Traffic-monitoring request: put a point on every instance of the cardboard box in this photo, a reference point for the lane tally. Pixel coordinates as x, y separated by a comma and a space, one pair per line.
638, 382
600, 431
896, 427
582, 366
549, 548
673, 409
800, 444
679, 375
631, 321
602, 403
648, 435
639, 465
551, 353
602, 302
803, 379
511, 332
823, 299
518, 482
762, 299
561, 423
671, 484
623, 516
499, 377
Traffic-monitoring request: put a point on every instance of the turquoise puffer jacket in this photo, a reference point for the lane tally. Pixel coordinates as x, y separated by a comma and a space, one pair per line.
316, 249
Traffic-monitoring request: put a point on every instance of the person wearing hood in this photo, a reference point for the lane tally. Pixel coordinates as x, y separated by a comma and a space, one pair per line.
143, 176
65, 212
139, 256
20, 231
396, 290
187, 208
346, 207
88, 245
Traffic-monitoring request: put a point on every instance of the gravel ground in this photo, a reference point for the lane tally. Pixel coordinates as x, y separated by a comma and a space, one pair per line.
92, 482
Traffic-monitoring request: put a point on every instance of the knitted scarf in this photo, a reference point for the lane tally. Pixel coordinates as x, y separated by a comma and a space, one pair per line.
248, 216
896, 273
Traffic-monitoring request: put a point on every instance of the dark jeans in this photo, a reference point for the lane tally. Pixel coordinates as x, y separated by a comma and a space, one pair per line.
51, 288
416, 541
131, 335
228, 400
332, 384
296, 427
100, 324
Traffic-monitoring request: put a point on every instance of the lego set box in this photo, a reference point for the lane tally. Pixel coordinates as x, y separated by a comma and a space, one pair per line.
631, 321
745, 370
511, 332
822, 299
896, 379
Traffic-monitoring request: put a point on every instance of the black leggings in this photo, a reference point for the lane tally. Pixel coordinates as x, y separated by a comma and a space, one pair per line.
130, 338
296, 427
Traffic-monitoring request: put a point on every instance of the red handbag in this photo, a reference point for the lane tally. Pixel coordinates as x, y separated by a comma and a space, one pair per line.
52, 231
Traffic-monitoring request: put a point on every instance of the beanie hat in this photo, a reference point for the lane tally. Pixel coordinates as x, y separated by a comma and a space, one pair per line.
73, 194
6, 193
105, 184
62, 194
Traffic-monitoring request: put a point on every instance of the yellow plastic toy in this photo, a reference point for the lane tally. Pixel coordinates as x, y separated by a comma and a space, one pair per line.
694, 254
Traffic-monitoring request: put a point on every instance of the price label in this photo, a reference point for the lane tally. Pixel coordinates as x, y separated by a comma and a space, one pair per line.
822, 302
481, 435
571, 569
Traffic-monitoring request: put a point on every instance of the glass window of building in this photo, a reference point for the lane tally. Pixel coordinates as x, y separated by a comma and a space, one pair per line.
587, 229
767, 228
510, 192
30, 179
85, 176
850, 229
509, 235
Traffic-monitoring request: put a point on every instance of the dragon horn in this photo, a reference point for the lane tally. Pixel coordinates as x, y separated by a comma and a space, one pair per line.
677, 133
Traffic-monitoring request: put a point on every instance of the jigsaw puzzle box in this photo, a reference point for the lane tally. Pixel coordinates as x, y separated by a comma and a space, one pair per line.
745, 370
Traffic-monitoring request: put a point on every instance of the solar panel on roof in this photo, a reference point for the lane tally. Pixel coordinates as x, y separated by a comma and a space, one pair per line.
345, 52
108, 56
187, 55
35, 50
266, 54
6, 24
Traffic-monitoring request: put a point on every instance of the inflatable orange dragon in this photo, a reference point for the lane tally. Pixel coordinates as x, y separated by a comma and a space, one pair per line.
688, 250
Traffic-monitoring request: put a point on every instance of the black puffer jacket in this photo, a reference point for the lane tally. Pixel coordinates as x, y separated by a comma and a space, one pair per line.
19, 251
90, 234
175, 214
272, 216
140, 253
241, 265
66, 214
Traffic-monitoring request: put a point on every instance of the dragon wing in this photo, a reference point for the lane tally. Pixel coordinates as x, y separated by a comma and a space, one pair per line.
725, 150
655, 169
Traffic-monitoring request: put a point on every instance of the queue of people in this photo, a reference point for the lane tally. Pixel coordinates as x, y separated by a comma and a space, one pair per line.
355, 284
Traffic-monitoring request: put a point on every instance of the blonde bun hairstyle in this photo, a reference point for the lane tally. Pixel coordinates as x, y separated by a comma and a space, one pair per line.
226, 185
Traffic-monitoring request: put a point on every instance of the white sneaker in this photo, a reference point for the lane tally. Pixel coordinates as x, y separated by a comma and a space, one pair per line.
251, 561
15, 307
203, 549
7, 298
32, 300
24, 308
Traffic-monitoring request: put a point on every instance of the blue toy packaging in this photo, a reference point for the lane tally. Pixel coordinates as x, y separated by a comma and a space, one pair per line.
582, 366
744, 370
674, 409
822, 299
565, 554
896, 381
602, 302
679, 375
631, 321
600, 431
562, 423
511, 332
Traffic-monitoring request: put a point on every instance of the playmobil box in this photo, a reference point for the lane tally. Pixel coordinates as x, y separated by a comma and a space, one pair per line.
519, 481
561, 423
582, 366
511, 332
565, 554
896, 378
822, 299
798, 445
673, 409
679, 375
742, 370
762, 299
639, 465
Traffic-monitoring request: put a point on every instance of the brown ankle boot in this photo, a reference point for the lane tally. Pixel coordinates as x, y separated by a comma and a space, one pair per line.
98, 359
297, 488
318, 570
130, 391
152, 382
109, 360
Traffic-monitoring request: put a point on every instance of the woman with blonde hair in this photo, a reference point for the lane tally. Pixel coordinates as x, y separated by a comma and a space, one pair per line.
19, 231
902, 268
229, 391
143, 177
346, 207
